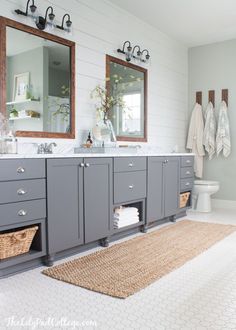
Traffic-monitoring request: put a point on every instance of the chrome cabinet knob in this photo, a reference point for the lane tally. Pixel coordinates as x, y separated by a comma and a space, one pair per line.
81, 164
20, 169
131, 186
21, 192
22, 213
188, 173
87, 164
187, 184
131, 164
188, 161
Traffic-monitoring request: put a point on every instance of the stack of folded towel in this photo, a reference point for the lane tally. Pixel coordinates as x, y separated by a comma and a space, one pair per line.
125, 216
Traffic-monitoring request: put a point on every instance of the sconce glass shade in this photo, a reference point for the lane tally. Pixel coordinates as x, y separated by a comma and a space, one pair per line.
50, 23
68, 28
128, 53
33, 12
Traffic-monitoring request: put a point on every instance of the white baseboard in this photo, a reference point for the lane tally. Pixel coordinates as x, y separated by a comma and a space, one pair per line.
223, 203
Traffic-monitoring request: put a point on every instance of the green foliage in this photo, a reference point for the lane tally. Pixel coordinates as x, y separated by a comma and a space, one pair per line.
105, 102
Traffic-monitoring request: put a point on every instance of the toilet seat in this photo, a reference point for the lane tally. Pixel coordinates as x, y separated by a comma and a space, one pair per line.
206, 182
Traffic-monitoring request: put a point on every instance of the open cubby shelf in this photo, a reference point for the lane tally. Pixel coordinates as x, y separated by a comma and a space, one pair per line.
140, 204
38, 246
189, 202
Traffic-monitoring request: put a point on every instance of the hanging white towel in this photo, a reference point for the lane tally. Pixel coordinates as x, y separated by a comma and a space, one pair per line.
209, 136
223, 132
195, 139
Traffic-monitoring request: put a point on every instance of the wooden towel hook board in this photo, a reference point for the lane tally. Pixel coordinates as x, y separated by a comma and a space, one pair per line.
199, 98
211, 97
224, 95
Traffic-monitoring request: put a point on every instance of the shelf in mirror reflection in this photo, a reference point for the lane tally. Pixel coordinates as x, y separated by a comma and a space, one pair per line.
22, 101
26, 117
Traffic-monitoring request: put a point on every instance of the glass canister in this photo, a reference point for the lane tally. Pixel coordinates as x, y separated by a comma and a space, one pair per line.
11, 143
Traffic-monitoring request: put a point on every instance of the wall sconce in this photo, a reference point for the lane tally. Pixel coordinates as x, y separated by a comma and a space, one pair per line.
42, 22
46, 22
33, 10
130, 54
68, 24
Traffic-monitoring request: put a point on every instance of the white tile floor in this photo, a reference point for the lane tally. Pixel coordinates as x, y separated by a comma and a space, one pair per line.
199, 295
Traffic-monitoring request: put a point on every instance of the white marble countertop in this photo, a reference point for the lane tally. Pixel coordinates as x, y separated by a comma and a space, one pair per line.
92, 155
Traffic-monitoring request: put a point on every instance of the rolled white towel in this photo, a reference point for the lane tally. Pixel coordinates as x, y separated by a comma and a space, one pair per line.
124, 216
126, 210
124, 224
133, 219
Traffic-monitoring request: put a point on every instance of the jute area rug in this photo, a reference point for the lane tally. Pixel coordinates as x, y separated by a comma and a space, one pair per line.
125, 268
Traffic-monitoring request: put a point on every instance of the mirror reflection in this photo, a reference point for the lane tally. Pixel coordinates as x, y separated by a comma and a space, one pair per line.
128, 83
38, 83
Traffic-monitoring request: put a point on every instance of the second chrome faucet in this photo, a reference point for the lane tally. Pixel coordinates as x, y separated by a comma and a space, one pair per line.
46, 148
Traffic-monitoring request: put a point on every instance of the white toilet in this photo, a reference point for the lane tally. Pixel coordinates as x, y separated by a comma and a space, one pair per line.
202, 192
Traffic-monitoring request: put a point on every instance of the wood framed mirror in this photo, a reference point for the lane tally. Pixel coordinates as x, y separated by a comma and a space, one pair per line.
129, 82
37, 81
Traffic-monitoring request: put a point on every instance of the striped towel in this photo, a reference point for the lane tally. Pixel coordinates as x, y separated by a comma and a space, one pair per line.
223, 142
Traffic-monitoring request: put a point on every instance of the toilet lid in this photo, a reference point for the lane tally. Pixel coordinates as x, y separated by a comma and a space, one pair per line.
205, 182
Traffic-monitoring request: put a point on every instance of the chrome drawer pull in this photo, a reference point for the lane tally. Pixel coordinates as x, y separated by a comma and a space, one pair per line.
131, 164
21, 192
20, 170
87, 164
188, 173
131, 186
187, 184
22, 213
81, 164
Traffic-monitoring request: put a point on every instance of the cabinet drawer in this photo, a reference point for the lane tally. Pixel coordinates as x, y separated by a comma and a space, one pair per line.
187, 161
20, 169
186, 184
186, 172
126, 164
21, 212
23, 190
129, 186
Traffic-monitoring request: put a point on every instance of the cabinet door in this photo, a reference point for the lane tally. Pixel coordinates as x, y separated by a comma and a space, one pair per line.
97, 198
155, 205
171, 185
65, 204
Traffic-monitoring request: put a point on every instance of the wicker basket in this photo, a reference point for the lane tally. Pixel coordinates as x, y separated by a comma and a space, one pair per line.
183, 200
17, 242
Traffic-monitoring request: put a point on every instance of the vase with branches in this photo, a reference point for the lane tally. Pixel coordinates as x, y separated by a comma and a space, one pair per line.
104, 105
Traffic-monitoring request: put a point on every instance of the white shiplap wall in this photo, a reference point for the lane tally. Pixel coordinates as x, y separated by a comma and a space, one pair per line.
100, 28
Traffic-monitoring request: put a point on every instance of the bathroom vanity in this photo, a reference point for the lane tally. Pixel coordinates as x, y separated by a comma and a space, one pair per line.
71, 198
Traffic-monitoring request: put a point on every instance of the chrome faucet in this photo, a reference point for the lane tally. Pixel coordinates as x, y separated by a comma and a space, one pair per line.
48, 147
44, 148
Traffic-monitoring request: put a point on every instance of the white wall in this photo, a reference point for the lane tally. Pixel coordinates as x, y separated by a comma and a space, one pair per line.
100, 28
213, 67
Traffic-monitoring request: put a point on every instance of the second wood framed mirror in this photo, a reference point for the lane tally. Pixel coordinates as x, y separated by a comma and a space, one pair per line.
129, 82
37, 81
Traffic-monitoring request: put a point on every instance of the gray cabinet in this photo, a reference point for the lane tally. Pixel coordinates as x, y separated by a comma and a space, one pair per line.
162, 187
155, 186
97, 198
65, 203
171, 186
23, 204
79, 201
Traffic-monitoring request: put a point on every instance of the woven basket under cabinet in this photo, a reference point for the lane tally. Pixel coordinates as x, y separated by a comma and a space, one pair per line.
183, 199
17, 242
